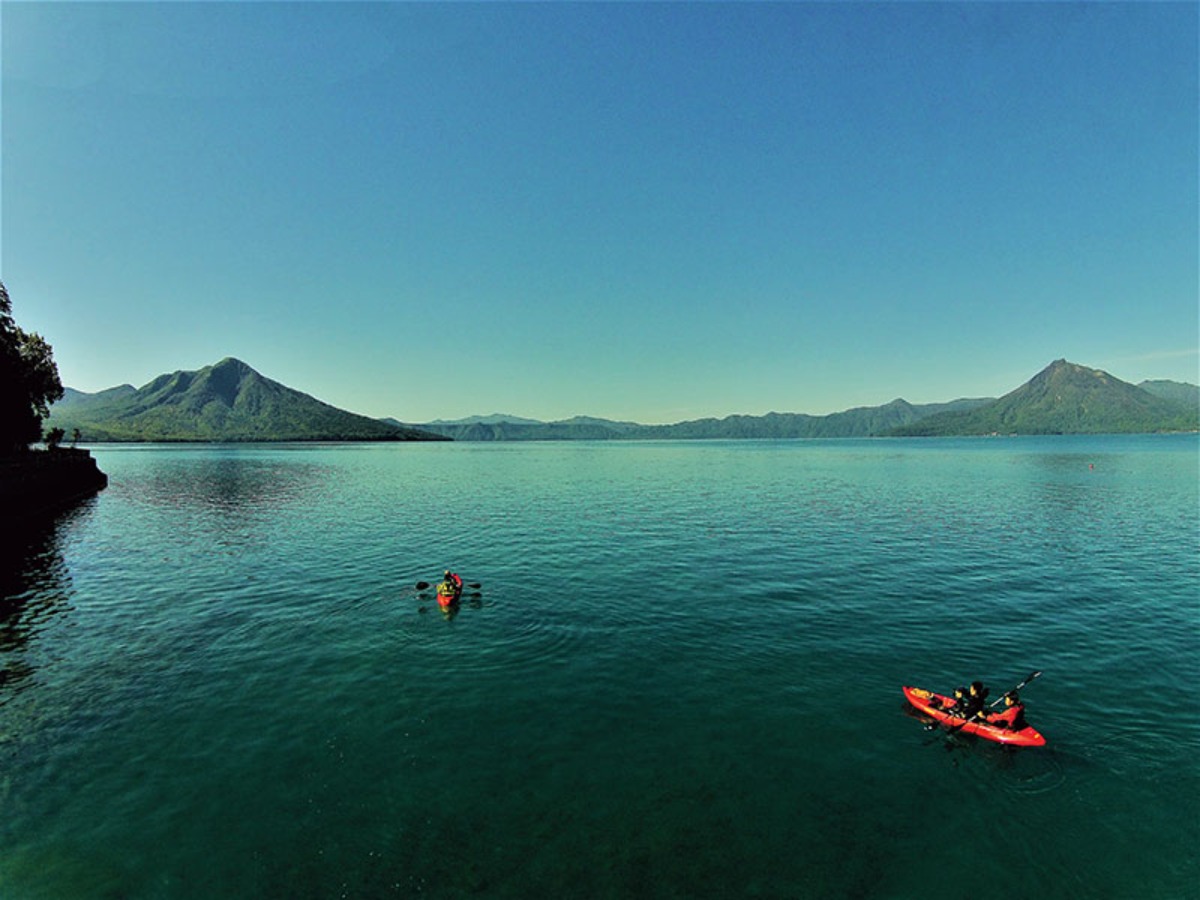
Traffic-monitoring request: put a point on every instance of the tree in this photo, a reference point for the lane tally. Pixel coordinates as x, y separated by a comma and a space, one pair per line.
29, 381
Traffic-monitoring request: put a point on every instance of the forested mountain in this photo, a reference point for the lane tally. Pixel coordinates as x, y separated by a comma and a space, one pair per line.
860, 422
1066, 398
1175, 391
228, 401
865, 421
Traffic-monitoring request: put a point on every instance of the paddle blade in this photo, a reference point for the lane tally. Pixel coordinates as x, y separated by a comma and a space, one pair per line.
421, 585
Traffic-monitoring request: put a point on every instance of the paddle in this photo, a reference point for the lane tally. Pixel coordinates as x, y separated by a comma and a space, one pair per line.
424, 585
1000, 699
995, 703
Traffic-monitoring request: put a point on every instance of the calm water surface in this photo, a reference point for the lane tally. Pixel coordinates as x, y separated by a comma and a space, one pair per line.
680, 678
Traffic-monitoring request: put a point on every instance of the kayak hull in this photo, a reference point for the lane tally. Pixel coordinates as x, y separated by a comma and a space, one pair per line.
935, 706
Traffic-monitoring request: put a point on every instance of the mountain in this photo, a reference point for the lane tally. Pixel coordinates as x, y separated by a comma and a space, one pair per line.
1175, 391
579, 429
860, 422
231, 402
1064, 398
864, 421
502, 427
228, 401
493, 419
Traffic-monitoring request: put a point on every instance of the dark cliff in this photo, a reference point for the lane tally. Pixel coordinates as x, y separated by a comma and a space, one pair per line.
40, 482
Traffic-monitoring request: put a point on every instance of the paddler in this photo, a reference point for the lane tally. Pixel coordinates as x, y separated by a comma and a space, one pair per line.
960, 701
450, 589
1013, 717
968, 701
973, 703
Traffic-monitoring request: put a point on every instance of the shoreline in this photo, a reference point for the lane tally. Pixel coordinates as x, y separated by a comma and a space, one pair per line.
38, 483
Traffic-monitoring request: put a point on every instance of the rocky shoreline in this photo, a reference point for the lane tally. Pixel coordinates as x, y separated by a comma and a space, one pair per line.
40, 482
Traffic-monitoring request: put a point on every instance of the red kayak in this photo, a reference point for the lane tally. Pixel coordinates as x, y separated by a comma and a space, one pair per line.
448, 594
994, 727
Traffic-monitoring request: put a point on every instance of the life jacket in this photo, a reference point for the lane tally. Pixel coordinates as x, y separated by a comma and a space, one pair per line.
1012, 718
450, 589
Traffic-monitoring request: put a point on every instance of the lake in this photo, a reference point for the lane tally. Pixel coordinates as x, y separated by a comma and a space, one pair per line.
679, 678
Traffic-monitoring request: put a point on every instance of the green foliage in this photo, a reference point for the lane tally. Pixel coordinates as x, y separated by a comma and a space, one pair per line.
29, 381
1184, 394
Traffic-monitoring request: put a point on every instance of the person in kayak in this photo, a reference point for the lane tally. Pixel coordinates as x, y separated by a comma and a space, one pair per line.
450, 588
1013, 717
960, 701
976, 696
968, 701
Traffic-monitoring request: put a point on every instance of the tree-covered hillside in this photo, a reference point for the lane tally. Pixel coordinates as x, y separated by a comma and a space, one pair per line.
864, 421
1065, 398
1185, 394
228, 401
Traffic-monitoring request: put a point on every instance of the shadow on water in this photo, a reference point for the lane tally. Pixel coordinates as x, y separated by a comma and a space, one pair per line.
35, 588
1020, 770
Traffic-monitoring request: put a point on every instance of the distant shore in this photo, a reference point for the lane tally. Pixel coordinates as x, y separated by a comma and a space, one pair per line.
39, 482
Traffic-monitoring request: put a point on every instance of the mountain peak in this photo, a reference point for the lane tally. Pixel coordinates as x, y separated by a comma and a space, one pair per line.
226, 380
1063, 376
227, 401
1062, 367
232, 363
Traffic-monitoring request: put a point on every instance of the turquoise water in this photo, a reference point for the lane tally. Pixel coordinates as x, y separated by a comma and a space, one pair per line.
680, 678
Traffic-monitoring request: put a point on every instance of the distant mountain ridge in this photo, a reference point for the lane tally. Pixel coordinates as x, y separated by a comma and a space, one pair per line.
228, 401
1175, 391
493, 419
860, 422
1065, 398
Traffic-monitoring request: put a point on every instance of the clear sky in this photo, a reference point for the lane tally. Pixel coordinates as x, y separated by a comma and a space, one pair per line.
653, 212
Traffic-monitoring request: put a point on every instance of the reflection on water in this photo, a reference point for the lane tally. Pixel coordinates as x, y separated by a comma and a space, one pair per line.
35, 587
230, 484
228, 500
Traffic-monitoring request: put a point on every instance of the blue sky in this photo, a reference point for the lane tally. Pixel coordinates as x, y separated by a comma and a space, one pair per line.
654, 212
